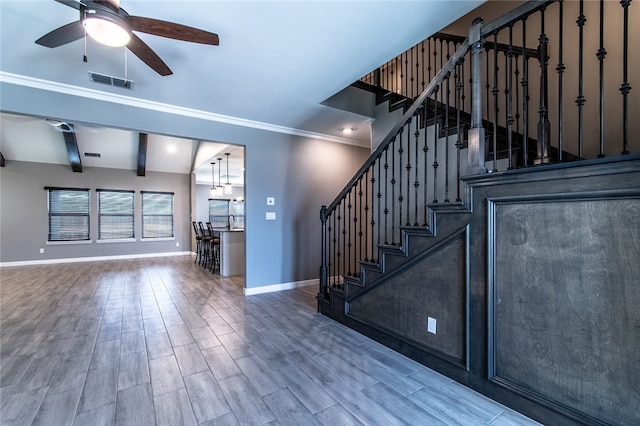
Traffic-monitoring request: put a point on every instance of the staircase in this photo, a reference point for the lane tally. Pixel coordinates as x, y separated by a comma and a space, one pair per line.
423, 247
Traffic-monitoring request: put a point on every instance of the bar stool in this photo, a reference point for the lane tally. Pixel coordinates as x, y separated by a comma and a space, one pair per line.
215, 248
198, 236
205, 246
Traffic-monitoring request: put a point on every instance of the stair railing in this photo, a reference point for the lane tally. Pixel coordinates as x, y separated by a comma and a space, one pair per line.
420, 161
394, 186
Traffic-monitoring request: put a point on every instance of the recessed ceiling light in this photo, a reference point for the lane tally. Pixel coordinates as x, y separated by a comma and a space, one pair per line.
347, 130
171, 149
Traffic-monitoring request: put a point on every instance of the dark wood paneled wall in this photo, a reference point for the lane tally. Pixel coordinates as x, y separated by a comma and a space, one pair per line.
565, 321
433, 285
537, 298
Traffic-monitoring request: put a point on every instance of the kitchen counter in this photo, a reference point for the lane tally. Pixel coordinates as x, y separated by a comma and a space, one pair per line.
232, 251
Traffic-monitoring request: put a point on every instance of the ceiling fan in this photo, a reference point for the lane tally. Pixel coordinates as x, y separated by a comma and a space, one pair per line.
108, 23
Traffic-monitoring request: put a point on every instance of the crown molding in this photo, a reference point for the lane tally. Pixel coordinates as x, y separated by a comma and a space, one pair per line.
67, 89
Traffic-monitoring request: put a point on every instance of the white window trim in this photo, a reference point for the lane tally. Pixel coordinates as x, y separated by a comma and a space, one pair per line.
116, 240
66, 243
146, 240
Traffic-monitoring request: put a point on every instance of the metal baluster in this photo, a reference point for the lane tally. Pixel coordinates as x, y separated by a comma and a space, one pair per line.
349, 235
425, 149
509, 97
400, 196
429, 42
413, 76
602, 52
379, 196
422, 65
462, 95
495, 92
459, 78
358, 224
580, 100
441, 66
403, 77
525, 96
516, 74
366, 212
393, 191
487, 87
416, 183
408, 167
625, 88
446, 138
560, 69
336, 245
343, 236
435, 146
386, 198
543, 123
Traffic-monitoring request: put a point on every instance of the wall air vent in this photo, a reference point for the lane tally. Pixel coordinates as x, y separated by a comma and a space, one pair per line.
92, 154
110, 80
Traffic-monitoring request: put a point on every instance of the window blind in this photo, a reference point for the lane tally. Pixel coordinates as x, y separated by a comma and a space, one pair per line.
157, 214
116, 210
68, 214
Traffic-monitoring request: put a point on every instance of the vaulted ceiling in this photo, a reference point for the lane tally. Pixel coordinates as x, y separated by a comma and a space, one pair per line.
276, 63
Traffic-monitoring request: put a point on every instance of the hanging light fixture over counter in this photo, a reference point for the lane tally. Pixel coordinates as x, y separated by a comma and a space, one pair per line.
219, 188
227, 186
212, 192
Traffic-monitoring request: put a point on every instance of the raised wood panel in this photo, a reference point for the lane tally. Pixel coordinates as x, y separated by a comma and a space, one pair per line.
564, 298
433, 284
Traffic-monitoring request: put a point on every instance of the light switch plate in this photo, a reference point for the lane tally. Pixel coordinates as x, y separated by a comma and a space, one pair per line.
271, 201
271, 216
431, 325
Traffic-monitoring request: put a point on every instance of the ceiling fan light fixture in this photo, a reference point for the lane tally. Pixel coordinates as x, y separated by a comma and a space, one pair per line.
106, 31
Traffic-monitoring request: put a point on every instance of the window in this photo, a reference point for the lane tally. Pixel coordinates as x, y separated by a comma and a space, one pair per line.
157, 214
115, 214
238, 214
68, 214
219, 213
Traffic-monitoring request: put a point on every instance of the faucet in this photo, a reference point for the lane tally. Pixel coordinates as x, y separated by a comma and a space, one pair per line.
231, 221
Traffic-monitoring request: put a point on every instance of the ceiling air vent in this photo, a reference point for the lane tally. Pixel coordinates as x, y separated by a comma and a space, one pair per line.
92, 154
110, 80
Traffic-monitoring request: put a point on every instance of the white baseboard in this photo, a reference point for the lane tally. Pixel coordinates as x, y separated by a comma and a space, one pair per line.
93, 259
279, 287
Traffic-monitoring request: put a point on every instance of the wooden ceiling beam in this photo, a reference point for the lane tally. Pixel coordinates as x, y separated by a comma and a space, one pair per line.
69, 134
142, 154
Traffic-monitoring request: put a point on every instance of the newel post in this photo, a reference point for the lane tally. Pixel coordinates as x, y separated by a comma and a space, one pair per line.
476, 150
322, 295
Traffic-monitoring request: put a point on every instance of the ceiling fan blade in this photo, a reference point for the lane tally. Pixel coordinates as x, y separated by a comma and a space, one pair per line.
63, 35
148, 56
70, 3
172, 30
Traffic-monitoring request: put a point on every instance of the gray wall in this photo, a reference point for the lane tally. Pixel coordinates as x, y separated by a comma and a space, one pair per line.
301, 173
23, 210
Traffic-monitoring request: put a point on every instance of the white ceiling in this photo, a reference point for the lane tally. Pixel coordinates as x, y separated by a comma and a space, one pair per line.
276, 63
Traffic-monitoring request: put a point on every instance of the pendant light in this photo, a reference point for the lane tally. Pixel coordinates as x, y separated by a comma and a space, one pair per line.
219, 188
227, 186
212, 191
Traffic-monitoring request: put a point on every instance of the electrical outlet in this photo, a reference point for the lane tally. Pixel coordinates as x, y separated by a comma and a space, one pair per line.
431, 325
177, 244
270, 216
41, 250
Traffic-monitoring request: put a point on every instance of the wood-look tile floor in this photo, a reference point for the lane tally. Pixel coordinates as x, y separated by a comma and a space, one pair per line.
164, 342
